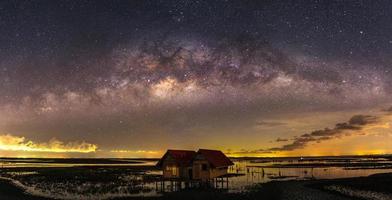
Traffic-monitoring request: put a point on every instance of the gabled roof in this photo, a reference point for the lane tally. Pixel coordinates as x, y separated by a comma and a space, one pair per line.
182, 157
215, 158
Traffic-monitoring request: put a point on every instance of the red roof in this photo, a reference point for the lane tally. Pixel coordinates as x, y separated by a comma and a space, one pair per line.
216, 158
182, 157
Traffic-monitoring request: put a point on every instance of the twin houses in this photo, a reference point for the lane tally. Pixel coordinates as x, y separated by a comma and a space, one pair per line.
201, 165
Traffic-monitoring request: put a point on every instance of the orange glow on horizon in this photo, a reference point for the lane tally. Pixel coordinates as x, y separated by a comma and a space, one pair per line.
13, 143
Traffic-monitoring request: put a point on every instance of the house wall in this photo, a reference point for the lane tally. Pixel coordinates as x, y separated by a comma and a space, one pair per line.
172, 170
198, 172
215, 172
184, 171
209, 173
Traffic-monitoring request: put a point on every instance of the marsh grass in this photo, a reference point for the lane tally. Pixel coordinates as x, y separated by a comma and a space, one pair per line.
84, 182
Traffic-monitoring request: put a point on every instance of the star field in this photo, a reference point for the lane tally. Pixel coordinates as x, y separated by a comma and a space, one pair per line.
141, 76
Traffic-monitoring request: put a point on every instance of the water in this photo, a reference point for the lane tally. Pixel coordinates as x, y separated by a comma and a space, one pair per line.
263, 172
108, 178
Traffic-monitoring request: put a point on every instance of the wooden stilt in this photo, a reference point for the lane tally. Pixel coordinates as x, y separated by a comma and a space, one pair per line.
222, 182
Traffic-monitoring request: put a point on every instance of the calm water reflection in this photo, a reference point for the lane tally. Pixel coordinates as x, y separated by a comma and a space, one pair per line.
265, 172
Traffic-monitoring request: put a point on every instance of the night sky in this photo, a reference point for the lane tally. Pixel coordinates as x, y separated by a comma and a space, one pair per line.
251, 78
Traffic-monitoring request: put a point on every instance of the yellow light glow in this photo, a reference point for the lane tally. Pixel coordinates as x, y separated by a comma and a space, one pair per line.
137, 151
13, 143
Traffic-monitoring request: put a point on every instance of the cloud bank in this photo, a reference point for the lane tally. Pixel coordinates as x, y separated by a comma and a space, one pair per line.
13, 143
355, 125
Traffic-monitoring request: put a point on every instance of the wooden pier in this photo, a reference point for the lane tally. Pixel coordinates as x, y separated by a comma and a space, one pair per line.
176, 184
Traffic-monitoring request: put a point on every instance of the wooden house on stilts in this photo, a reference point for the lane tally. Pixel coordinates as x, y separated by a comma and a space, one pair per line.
203, 165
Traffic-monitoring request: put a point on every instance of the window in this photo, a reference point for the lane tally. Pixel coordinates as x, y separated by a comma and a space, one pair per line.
173, 170
204, 167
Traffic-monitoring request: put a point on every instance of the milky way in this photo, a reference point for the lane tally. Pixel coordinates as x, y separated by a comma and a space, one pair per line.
150, 75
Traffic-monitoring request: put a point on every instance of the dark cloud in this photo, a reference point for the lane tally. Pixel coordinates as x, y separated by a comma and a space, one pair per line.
388, 109
356, 123
298, 143
362, 120
281, 140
